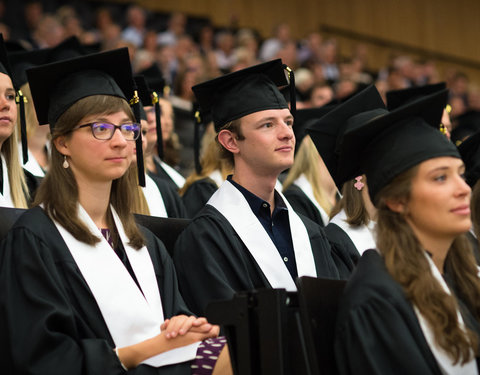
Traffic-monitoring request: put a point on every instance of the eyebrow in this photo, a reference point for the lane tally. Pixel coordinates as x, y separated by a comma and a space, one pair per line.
103, 119
444, 168
289, 117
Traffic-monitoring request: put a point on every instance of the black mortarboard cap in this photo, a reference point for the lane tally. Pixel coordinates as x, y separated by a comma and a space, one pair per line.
465, 125
23, 60
56, 86
470, 152
243, 92
306, 117
390, 143
397, 98
5, 67
154, 78
149, 98
327, 132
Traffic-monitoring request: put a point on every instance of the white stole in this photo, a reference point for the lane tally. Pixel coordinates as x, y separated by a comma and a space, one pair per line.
306, 187
32, 164
154, 198
6, 196
216, 176
443, 360
231, 203
362, 237
131, 316
174, 175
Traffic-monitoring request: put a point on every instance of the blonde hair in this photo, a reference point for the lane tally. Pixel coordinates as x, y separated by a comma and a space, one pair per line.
16, 175
306, 162
211, 160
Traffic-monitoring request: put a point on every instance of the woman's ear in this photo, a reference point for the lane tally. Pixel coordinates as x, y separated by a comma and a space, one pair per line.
396, 205
61, 146
228, 140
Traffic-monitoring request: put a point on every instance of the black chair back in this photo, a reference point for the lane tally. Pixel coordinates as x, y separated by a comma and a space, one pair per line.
166, 229
318, 301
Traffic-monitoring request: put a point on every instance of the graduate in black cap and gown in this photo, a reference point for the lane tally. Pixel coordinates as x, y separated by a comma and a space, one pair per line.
161, 197
248, 236
16, 184
83, 289
412, 306
308, 187
352, 219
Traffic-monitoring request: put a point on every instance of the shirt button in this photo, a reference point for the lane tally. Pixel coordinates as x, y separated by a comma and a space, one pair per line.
285, 259
264, 205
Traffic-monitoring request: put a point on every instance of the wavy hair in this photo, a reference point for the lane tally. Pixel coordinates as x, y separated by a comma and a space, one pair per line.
406, 262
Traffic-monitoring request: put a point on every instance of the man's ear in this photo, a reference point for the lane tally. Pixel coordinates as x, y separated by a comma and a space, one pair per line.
228, 140
61, 145
396, 205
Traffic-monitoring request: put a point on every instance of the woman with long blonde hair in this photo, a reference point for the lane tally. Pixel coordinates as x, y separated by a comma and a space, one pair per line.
14, 191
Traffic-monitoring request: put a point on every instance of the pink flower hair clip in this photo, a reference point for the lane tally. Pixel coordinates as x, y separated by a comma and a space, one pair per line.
359, 184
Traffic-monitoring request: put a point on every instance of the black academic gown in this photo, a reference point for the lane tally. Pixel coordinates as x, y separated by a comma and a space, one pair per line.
161, 173
474, 242
302, 204
33, 182
49, 320
213, 263
198, 194
345, 253
377, 330
173, 203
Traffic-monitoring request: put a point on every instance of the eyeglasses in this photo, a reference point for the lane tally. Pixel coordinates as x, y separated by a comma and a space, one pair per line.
104, 131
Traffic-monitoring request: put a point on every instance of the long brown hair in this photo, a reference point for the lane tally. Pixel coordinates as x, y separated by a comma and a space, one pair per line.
406, 262
353, 205
475, 207
59, 191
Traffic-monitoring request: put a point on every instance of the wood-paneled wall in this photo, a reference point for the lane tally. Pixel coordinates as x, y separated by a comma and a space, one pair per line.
450, 27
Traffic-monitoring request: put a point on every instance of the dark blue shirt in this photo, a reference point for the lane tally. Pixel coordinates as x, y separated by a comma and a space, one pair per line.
276, 224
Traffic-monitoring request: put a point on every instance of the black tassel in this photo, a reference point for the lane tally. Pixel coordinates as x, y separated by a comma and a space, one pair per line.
196, 138
23, 125
135, 104
293, 93
158, 121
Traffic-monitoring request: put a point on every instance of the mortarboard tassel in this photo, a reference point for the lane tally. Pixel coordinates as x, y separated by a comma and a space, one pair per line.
135, 104
21, 99
293, 99
196, 138
158, 121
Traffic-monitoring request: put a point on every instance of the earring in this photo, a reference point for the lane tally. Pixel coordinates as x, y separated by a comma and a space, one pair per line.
65, 162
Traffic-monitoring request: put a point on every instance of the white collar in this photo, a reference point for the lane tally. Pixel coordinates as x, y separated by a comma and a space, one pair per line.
216, 176
131, 317
5, 198
32, 164
154, 198
443, 360
174, 175
362, 236
307, 189
231, 203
